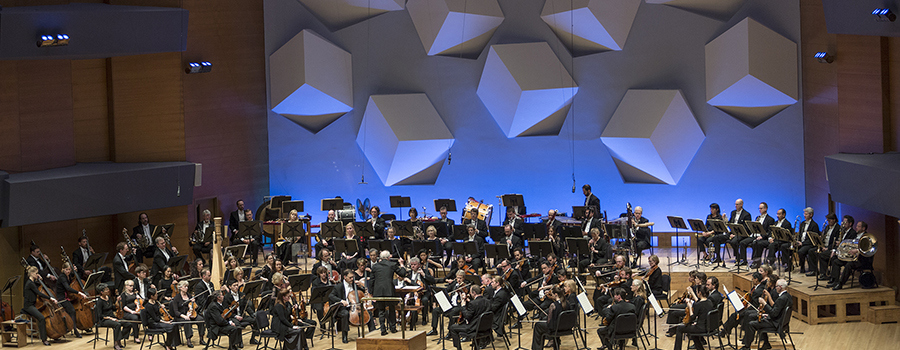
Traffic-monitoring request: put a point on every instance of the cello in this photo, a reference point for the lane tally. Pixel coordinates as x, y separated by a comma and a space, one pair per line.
84, 314
358, 314
56, 319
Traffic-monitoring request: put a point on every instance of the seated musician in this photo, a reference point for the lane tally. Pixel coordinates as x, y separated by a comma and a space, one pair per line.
419, 276
537, 297
477, 260
161, 257
339, 298
284, 249
143, 235
698, 320
512, 219
710, 238
819, 256
777, 245
738, 216
773, 315
200, 243
512, 241
348, 261
654, 277
499, 298
847, 232
64, 289
521, 263
749, 312
181, 308
861, 262
479, 224
131, 303
448, 245
326, 262
590, 221
252, 242
196, 266
398, 244
642, 231
488, 289
38, 259
552, 222
557, 244
542, 328
804, 243
377, 222
283, 323
166, 284
105, 314
677, 310
435, 249
220, 326
322, 279
242, 315
474, 304
323, 244
510, 275
638, 299
453, 292
759, 242
609, 313
623, 277
81, 255
154, 314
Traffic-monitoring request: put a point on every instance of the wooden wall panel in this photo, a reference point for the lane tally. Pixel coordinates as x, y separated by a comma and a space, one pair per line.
90, 109
860, 97
46, 129
147, 108
10, 151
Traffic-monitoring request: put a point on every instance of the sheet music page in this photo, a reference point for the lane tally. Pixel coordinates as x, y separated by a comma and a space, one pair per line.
518, 304
736, 301
443, 301
585, 303
655, 303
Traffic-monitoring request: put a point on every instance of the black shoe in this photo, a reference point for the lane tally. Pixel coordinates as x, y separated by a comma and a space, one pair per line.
253, 341
802, 269
77, 335
202, 342
46, 343
811, 273
240, 345
393, 330
823, 278
765, 346
836, 287
344, 338
431, 333
190, 344
384, 331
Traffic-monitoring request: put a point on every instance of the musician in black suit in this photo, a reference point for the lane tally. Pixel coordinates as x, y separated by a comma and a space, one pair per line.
479, 224
499, 298
243, 313
698, 320
234, 220
382, 275
542, 328
477, 260
774, 315
418, 273
552, 222
712, 285
642, 231
38, 259
143, 234
322, 243
161, 257
515, 221
120, 265
776, 245
512, 241
819, 257
600, 251
30, 293
805, 243
339, 299
547, 280
200, 243
610, 312
220, 326
203, 289
454, 296
81, 255
590, 221
590, 200
746, 314
710, 237
738, 216
472, 310
377, 222
847, 232
759, 241
252, 242
861, 262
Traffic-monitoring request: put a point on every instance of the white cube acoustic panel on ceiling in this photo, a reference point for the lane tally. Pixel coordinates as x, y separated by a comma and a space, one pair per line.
404, 139
653, 136
593, 25
311, 81
718, 9
751, 72
338, 14
453, 27
526, 89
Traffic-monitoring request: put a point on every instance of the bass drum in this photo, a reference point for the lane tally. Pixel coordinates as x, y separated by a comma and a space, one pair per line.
484, 210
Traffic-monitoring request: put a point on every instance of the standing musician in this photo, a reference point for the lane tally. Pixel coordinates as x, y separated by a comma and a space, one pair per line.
143, 235
453, 292
472, 310
710, 237
590, 200
131, 311
738, 216
654, 277
236, 217
477, 261
161, 257
382, 275
285, 250
448, 246
774, 315
283, 322
804, 242
81, 255
154, 311
698, 319
199, 242
819, 257
542, 328
120, 265
557, 244
642, 232
105, 314
39, 260
513, 242
589, 222
65, 292
609, 314
322, 279
862, 262
339, 298
181, 307
537, 298
776, 245
30, 293
252, 242
377, 222
241, 315
748, 313
479, 224
759, 241
419, 276
513, 220
552, 222
219, 325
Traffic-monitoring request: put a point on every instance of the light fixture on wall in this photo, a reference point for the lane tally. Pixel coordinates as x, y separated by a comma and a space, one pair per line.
53, 40
198, 67
824, 57
884, 15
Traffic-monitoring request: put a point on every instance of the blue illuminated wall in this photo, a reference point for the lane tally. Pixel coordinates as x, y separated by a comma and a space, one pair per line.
665, 50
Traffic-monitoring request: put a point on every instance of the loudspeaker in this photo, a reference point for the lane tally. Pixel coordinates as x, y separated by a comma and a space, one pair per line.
198, 172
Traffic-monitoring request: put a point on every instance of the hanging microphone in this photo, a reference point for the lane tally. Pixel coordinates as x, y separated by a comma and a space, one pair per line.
449, 156
573, 185
362, 181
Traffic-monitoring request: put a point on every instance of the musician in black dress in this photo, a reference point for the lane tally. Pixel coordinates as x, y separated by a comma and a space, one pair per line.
65, 291
130, 311
377, 222
219, 326
152, 314
542, 328
710, 237
698, 320
30, 293
654, 277
181, 307
105, 313
293, 337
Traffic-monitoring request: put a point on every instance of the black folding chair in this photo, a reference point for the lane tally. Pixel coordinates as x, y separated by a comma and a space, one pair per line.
150, 332
713, 322
211, 338
484, 330
265, 334
566, 325
624, 328
641, 316
667, 288
500, 322
783, 329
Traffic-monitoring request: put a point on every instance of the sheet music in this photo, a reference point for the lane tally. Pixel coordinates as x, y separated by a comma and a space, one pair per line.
585, 303
518, 304
655, 303
442, 301
735, 300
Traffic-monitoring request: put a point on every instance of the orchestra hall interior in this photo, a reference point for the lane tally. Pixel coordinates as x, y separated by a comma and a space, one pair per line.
449, 174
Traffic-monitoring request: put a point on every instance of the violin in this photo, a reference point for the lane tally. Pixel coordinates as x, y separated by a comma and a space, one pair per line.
468, 269
166, 317
650, 272
228, 313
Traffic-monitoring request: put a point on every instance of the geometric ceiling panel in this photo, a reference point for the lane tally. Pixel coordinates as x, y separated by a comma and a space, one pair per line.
599, 25
653, 136
716, 9
311, 81
751, 72
404, 139
337, 14
455, 27
526, 89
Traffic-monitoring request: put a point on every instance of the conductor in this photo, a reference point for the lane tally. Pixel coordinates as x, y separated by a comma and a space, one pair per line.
382, 275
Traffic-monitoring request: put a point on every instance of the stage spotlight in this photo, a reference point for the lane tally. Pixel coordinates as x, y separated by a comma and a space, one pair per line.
824, 57
884, 15
53, 40
198, 67
62, 40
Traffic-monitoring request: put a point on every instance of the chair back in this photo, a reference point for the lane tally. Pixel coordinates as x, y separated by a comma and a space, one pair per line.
713, 321
145, 319
721, 309
642, 314
262, 319
625, 324
785, 320
567, 320
502, 318
485, 322
666, 285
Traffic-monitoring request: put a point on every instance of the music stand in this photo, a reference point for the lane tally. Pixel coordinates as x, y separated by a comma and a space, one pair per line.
677, 223
578, 211
276, 201
534, 230
380, 244
92, 281
740, 231
399, 202
300, 283
578, 246
170, 227
460, 232
496, 233
237, 250
208, 234
816, 240
253, 289
496, 251
177, 262
440, 228
570, 231
347, 246
540, 248
719, 227
8, 287
334, 229
402, 228
94, 261
332, 204
249, 228
363, 229
289, 205
418, 246
292, 229
449, 203
698, 226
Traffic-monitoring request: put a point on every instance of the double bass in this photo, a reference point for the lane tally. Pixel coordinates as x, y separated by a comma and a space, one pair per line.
84, 313
57, 320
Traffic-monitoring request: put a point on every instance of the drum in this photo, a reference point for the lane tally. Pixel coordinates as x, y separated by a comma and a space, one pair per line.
484, 210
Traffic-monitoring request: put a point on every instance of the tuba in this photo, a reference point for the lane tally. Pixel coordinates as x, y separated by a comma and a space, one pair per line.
851, 249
